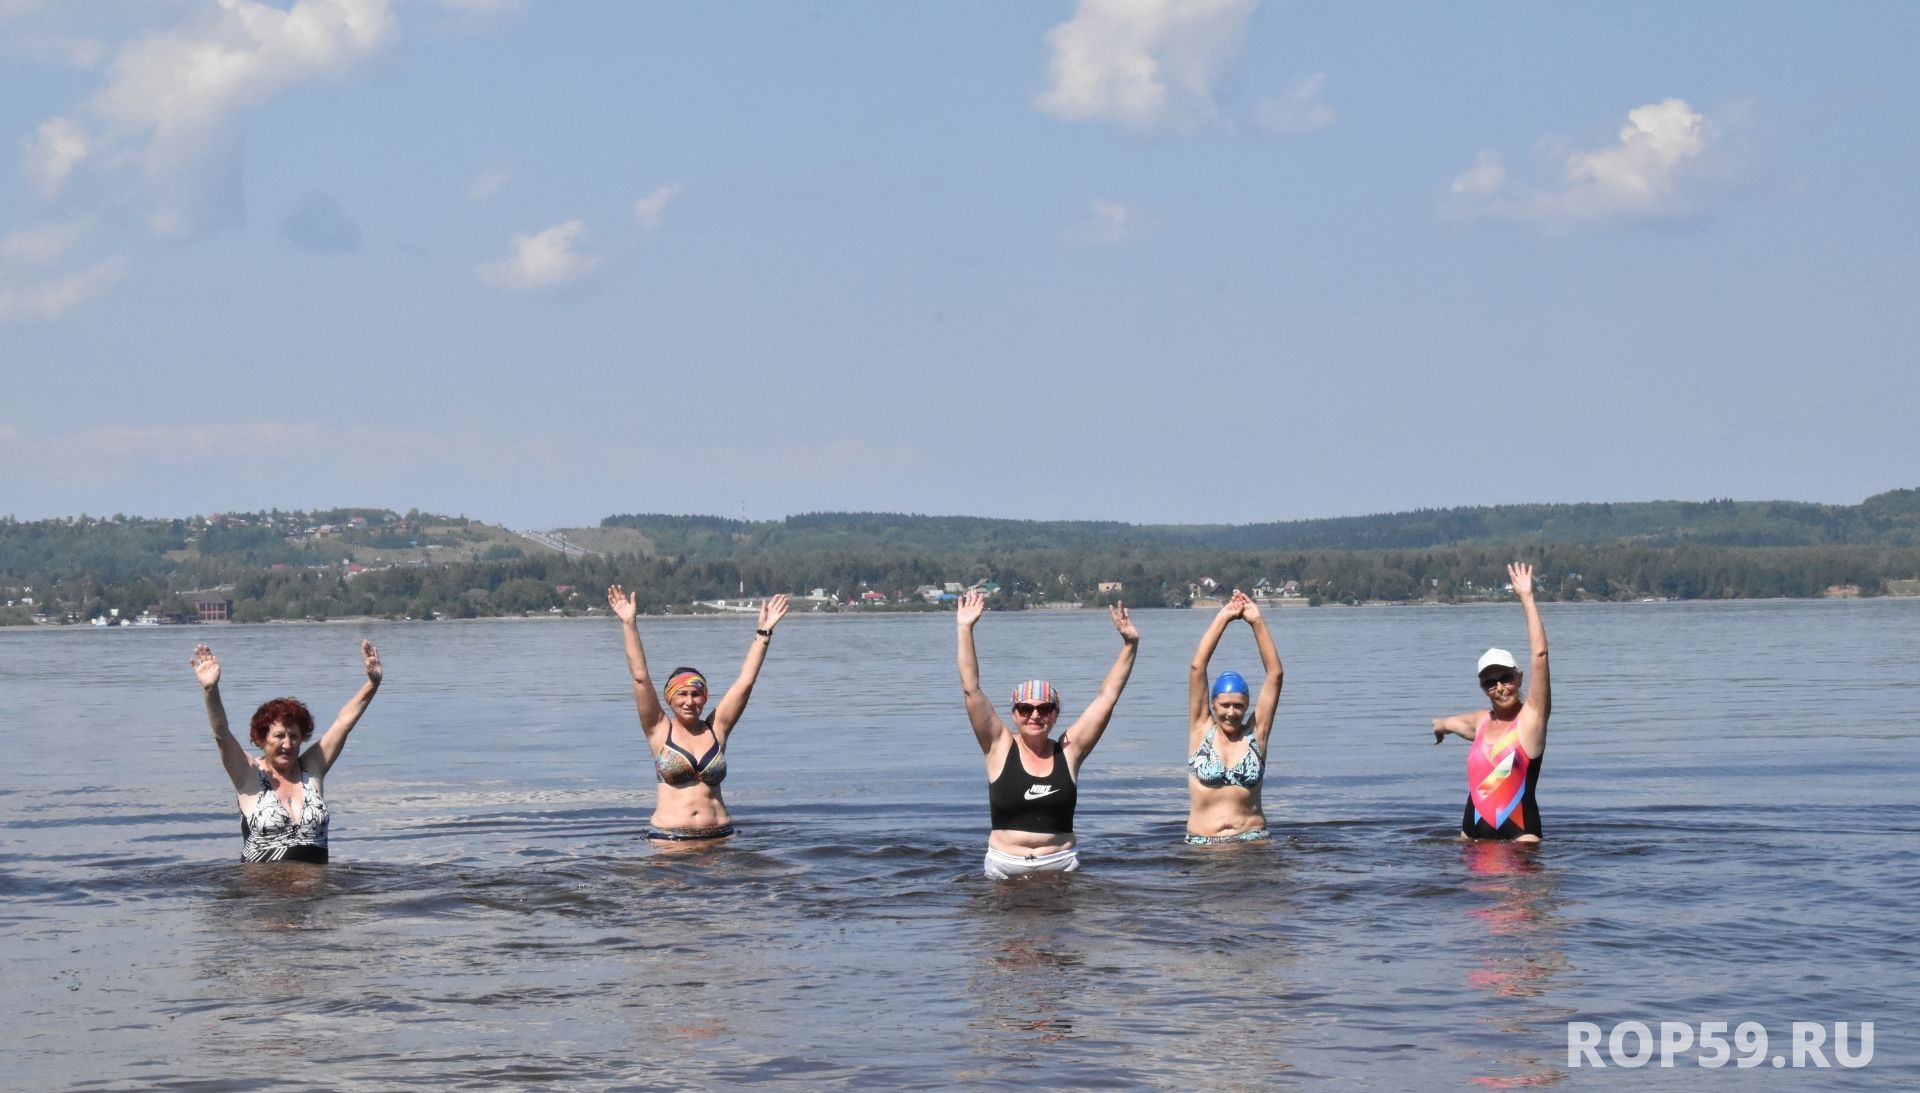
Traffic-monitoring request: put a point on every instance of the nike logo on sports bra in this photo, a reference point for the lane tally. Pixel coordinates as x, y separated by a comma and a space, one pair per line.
1034, 793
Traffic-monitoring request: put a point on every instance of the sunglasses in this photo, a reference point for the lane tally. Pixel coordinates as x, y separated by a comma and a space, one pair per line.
1028, 709
1503, 677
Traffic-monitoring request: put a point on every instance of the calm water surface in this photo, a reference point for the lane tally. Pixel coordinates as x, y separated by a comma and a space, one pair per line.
1729, 802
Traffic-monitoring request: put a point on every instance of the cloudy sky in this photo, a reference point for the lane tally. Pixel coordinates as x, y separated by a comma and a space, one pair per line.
1146, 260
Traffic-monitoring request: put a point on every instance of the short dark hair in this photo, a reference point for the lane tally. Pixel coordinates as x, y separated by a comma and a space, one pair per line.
290, 711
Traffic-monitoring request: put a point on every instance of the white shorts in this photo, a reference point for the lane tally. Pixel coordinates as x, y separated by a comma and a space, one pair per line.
1004, 866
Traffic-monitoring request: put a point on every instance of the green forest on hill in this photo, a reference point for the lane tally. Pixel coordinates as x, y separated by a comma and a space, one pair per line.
374, 562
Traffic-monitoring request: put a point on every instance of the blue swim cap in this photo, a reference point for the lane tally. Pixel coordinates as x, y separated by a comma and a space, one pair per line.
1229, 683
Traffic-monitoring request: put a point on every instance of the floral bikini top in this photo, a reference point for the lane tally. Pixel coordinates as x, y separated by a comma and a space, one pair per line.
1212, 773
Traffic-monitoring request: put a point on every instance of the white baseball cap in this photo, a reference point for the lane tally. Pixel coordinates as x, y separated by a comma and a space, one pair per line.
1495, 658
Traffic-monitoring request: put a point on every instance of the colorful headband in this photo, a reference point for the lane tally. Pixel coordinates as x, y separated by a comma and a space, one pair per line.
1036, 691
685, 681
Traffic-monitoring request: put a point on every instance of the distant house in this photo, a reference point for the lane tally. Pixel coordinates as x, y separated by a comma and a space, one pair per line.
213, 606
358, 521
873, 596
1110, 586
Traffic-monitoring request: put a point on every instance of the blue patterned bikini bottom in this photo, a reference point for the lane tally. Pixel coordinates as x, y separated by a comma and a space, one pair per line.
1259, 836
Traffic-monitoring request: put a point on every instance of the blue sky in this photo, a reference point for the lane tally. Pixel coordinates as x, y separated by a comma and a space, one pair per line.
1202, 261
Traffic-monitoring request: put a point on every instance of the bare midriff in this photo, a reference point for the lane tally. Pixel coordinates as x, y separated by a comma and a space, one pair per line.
1025, 843
694, 806
1223, 810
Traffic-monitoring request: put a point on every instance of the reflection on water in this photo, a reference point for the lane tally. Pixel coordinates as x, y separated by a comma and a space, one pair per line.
495, 917
1516, 940
1023, 981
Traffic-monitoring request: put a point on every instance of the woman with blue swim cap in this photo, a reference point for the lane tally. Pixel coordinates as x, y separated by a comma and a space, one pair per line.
1226, 739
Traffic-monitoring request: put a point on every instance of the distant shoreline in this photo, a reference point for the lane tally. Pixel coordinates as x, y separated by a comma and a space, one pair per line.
363, 620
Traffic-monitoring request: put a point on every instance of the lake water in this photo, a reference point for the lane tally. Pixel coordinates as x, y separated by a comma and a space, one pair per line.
1729, 802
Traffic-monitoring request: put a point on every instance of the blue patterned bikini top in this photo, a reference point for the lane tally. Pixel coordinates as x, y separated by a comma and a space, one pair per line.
1207, 767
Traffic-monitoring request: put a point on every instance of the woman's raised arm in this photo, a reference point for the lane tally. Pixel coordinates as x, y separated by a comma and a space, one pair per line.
645, 699
987, 726
206, 668
1085, 733
1197, 682
1539, 703
1269, 700
334, 740
727, 714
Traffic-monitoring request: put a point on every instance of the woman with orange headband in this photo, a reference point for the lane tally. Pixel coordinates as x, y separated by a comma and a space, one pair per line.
690, 752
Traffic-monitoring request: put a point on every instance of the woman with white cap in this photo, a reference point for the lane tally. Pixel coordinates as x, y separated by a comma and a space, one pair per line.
1033, 779
1227, 749
1509, 737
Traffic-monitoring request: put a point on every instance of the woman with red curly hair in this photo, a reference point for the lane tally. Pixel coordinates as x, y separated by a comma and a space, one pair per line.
283, 809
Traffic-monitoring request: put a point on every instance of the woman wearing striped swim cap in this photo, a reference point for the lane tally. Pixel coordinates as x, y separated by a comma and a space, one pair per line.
1033, 779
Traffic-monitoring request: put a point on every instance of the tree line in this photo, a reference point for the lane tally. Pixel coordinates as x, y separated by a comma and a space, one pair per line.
79, 569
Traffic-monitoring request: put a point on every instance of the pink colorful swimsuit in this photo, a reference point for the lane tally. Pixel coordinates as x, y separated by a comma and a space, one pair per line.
1500, 784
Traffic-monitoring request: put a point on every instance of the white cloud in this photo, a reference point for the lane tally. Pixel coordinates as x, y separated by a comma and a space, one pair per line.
490, 182
52, 153
45, 300
44, 243
1482, 180
546, 260
1109, 224
172, 98
1298, 112
648, 210
1149, 65
1655, 170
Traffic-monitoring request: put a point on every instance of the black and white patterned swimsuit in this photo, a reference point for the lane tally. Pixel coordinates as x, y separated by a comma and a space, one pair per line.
270, 834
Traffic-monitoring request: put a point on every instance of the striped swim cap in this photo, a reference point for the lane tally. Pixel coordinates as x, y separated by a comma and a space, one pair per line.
1036, 691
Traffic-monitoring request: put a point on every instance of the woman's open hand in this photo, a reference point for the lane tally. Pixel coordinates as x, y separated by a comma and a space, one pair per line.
206, 667
621, 602
972, 605
1521, 574
1123, 622
772, 611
